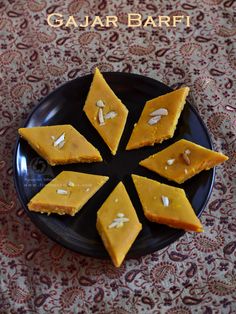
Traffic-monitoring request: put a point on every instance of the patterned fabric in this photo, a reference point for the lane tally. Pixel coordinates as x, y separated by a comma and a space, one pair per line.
196, 273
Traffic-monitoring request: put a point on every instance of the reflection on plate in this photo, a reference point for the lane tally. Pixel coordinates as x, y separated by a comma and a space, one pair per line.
64, 106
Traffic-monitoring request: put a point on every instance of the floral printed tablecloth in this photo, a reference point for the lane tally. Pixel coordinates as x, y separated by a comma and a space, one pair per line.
196, 274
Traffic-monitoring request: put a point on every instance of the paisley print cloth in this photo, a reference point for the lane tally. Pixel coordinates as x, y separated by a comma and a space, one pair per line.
195, 274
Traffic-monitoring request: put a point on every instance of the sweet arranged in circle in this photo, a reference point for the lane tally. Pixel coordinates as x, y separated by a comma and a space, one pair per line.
67, 193
107, 114
60, 144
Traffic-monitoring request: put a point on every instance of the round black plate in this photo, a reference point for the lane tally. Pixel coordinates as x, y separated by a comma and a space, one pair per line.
64, 106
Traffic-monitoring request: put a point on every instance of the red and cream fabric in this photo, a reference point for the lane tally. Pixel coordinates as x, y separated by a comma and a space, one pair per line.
196, 273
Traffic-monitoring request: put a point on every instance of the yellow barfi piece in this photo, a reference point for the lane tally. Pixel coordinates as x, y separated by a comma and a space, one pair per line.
60, 144
66, 193
182, 160
158, 120
105, 111
118, 224
167, 205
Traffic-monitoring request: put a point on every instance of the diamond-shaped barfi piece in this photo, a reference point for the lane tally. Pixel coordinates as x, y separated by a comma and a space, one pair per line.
166, 204
158, 120
66, 193
60, 144
105, 111
118, 224
182, 160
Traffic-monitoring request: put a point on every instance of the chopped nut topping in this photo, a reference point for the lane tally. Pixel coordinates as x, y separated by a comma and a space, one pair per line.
110, 115
186, 158
61, 139
154, 120
100, 104
62, 192
120, 215
187, 152
170, 161
123, 219
60, 145
119, 221
119, 224
157, 115
166, 167
159, 112
87, 190
112, 225
101, 117
70, 183
116, 200
53, 138
165, 201
185, 171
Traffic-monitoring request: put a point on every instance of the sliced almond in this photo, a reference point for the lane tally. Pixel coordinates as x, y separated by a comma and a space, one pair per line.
60, 139
120, 215
186, 159
154, 120
159, 112
119, 224
61, 144
125, 219
110, 115
112, 225
170, 161
62, 192
119, 221
101, 117
100, 104
165, 201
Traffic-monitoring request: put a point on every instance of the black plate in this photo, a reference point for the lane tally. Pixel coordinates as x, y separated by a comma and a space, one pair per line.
64, 106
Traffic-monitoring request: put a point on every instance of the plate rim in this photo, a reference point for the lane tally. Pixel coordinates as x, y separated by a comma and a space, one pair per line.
49, 233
